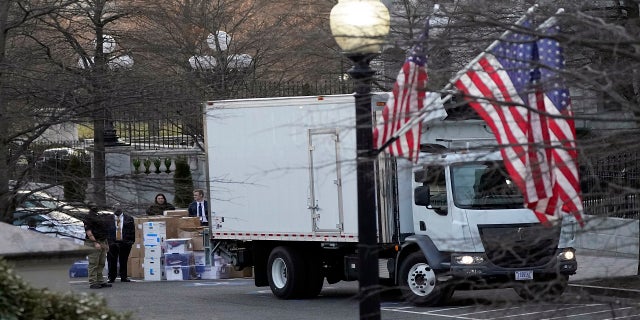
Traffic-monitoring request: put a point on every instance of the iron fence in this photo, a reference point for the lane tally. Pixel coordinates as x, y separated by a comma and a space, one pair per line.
171, 127
611, 185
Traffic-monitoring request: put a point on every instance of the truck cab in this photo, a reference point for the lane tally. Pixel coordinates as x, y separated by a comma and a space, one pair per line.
471, 231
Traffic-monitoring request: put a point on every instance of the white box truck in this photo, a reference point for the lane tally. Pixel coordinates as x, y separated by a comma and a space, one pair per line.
282, 184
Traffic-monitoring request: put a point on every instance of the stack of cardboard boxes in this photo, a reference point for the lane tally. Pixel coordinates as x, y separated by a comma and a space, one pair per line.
171, 247
166, 247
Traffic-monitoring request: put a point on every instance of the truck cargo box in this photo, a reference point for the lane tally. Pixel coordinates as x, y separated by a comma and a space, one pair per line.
283, 168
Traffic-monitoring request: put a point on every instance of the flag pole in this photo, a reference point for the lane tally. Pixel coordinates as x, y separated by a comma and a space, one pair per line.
551, 21
424, 112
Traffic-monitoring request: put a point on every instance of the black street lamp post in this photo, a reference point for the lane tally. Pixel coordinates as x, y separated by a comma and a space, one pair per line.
367, 227
359, 27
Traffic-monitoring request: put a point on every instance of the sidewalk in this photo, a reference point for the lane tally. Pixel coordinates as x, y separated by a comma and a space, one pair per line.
604, 274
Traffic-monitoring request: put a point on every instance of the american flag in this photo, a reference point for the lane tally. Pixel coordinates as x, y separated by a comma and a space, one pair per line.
405, 101
515, 88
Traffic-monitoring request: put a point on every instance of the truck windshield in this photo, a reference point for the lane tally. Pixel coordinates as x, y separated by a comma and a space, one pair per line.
484, 185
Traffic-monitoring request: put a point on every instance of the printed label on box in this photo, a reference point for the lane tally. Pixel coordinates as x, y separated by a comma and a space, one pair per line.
152, 239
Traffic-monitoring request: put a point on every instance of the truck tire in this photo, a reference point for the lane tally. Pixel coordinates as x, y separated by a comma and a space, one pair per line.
285, 272
544, 290
419, 283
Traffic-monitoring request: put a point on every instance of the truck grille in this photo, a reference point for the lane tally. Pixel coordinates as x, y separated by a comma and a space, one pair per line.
518, 246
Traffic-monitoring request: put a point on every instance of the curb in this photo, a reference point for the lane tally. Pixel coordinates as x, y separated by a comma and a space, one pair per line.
604, 291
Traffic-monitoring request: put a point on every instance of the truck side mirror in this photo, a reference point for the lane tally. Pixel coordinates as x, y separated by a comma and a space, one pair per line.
421, 196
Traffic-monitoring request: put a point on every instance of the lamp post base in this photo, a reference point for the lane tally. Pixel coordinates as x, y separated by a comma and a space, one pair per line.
111, 138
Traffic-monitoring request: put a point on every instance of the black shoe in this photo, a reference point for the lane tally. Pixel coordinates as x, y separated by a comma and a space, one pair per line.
111, 280
125, 280
106, 285
95, 286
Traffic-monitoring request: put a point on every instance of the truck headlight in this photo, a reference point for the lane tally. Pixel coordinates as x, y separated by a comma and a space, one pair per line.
567, 254
468, 259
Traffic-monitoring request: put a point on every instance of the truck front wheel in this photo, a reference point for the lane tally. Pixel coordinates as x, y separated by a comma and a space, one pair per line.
286, 273
419, 282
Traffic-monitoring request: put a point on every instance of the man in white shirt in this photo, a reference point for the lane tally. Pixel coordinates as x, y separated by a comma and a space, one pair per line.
199, 207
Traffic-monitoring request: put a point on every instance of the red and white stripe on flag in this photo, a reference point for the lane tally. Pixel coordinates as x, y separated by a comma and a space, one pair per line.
536, 135
560, 181
405, 102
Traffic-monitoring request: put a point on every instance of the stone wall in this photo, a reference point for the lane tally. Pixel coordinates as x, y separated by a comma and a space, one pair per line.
135, 188
614, 236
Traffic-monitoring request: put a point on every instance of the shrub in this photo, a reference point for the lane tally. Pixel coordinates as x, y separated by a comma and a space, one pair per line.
183, 183
20, 301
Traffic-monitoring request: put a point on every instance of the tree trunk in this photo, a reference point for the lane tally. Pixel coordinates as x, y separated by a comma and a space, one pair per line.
98, 176
5, 195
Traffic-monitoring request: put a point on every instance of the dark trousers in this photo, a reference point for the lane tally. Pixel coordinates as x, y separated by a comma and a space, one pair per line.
118, 253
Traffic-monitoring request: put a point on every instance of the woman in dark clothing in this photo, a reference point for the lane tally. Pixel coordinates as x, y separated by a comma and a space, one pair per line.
160, 205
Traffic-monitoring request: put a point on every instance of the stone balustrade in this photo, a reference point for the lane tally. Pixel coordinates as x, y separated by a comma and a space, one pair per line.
134, 184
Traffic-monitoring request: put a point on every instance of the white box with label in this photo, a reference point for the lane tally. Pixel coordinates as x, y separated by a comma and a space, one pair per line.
154, 233
153, 252
153, 269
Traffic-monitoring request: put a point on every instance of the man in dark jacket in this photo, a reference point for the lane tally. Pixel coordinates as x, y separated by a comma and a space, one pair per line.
97, 230
122, 234
199, 207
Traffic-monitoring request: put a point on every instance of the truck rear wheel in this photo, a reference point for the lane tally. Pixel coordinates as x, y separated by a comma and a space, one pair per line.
419, 282
285, 273
548, 289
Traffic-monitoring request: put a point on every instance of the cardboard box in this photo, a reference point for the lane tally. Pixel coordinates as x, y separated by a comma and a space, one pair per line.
178, 273
189, 233
176, 213
153, 252
153, 270
188, 223
197, 241
197, 244
178, 245
138, 224
153, 232
137, 250
244, 273
134, 268
178, 259
153, 239
171, 224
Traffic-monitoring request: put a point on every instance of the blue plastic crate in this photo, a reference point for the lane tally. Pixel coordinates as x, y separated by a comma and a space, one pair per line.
178, 259
79, 269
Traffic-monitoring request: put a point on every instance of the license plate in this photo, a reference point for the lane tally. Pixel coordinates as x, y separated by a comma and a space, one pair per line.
524, 275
